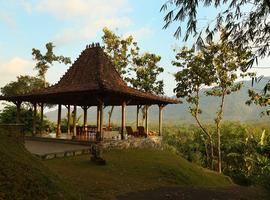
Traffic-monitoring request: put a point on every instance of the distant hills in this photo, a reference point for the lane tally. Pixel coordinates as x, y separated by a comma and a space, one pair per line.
235, 110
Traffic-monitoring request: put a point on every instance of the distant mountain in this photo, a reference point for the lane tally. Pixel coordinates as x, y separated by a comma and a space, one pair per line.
235, 110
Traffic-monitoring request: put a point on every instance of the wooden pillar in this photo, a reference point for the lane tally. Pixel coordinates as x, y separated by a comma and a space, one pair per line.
160, 120
74, 122
58, 129
35, 119
98, 136
68, 120
146, 119
137, 116
123, 120
18, 113
85, 120
101, 120
41, 116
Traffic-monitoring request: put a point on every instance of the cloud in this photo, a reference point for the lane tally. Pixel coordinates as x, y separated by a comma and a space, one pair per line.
16, 66
85, 17
8, 19
83, 9
140, 33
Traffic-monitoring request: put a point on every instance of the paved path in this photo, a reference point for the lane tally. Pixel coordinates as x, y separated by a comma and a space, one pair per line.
41, 148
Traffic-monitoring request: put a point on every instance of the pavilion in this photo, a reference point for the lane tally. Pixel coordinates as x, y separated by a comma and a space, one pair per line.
92, 80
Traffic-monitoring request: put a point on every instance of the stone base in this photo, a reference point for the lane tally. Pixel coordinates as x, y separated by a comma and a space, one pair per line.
98, 160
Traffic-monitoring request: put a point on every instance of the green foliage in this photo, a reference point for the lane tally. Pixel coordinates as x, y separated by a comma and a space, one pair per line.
23, 85
45, 61
262, 99
245, 149
141, 71
8, 116
23, 176
120, 50
215, 64
146, 73
246, 22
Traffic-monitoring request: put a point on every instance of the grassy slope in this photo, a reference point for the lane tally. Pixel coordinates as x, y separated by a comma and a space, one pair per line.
131, 170
22, 176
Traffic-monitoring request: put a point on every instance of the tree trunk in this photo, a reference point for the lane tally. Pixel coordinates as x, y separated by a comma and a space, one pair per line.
218, 123
196, 116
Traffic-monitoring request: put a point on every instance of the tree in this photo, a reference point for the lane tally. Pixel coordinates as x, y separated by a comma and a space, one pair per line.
8, 116
193, 77
220, 63
146, 72
227, 59
45, 61
120, 50
245, 21
23, 85
260, 98
140, 71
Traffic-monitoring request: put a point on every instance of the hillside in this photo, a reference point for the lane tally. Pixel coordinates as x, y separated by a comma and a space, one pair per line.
235, 110
133, 170
22, 176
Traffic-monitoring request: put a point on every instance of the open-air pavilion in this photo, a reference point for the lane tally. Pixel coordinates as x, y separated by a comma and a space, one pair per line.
91, 81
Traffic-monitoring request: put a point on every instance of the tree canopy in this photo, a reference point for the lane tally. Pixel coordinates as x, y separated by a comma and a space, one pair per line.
23, 85
246, 21
216, 65
146, 72
45, 61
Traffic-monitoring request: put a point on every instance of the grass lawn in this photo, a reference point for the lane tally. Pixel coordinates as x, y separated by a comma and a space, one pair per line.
131, 171
23, 176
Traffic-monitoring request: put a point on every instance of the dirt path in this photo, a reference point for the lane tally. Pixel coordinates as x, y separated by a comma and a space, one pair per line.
198, 193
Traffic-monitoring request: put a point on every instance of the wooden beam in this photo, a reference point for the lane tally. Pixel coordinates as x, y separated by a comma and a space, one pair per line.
35, 119
160, 120
123, 120
74, 122
68, 120
18, 113
137, 116
146, 119
58, 130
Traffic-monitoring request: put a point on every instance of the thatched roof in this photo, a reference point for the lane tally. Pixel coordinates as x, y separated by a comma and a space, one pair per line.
91, 79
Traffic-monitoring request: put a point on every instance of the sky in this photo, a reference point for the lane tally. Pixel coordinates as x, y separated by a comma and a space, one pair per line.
72, 24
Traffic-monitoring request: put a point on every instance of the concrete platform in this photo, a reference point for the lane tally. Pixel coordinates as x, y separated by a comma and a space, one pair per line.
49, 150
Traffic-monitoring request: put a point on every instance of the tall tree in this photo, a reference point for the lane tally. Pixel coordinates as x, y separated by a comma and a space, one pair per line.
245, 21
146, 73
191, 79
220, 63
45, 61
141, 71
146, 70
120, 50
227, 59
